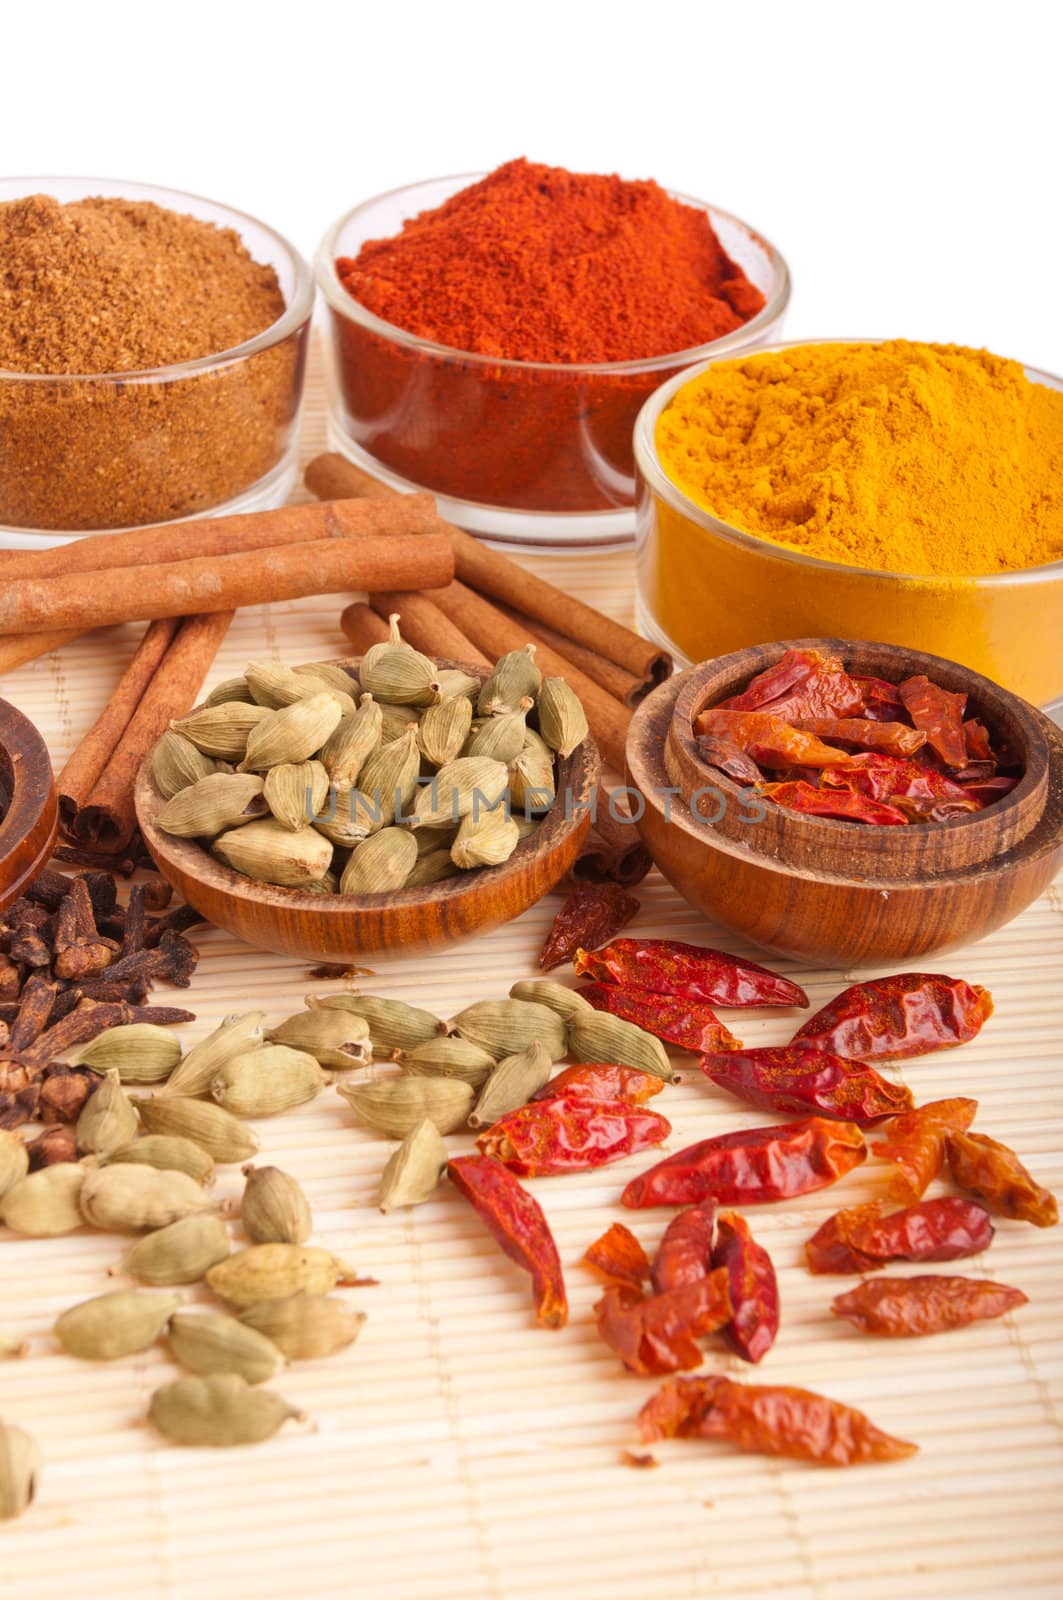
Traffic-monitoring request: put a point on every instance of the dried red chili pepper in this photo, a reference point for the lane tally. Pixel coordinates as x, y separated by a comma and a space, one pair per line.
987, 791
803, 683
908, 1014
567, 1134
687, 1024
862, 1239
976, 741
590, 916
768, 1419
799, 1078
995, 1174
603, 1080
660, 1333
725, 756
889, 778
915, 1143
752, 1166
688, 971
881, 702
618, 1254
912, 1307
769, 739
515, 1219
866, 734
685, 1252
839, 803
939, 715
753, 1286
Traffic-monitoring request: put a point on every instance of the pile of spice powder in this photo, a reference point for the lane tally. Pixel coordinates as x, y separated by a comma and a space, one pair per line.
534, 263
929, 460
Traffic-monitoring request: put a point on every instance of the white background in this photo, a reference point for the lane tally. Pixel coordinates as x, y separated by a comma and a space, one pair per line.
905, 158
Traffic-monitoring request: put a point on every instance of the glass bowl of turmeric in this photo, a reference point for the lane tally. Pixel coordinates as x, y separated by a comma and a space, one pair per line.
887, 490
492, 337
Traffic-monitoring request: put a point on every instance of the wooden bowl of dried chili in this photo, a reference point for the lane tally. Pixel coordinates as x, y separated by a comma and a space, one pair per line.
912, 862
29, 815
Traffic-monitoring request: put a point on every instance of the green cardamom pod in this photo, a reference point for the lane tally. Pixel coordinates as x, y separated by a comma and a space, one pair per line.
46, 1203
395, 1105
513, 678
271, 853
396, 672
276, 686
168, 1153
267, 1081
453, 681
229, 689
449, 1057
182, 1252
566, 1002
598, 1036
204, 809
346, 751
130, 1198
221, 731
275, 1271
220, 1410
380, 863
516, 1080
413, 1172
484, 841
140, 1052
305, 1327
347, 816
274, 1209
295, 791
435, 866
108, 1119
294, 733
329, 675
505, 1027
211, 1341
532, 778
393, 1025
469, 786
215, 1130
334, 1037
233, 1037
176, 763
117, 1324
14, 1159
389, 779
395, 722
526, 826
502, 737
329, 884
444, 729
20, 1470
562, 719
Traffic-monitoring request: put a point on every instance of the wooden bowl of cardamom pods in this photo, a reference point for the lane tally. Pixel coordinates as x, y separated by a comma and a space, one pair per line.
266, 779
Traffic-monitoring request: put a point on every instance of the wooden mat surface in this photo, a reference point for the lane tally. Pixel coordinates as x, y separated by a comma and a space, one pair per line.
458, 1450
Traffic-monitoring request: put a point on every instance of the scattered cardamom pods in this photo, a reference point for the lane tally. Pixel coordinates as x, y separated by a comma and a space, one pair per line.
182, 1252
215, 1130
12, 1346
444, 729
221, 731
176, 763
453, 681
274, 1209
229, 689
275, 1271
275, 686
502, 737
597, 1036
305, 1327
346, 751
46, 1203
566, 1002
233, 1037
271, 853
207, 1342
449, 1057
14, 1159
295, 791
140, 1052
513, 678
515, 1081
294, 733
220, 1410
204, 809
335, 1037
380, 863
413, 1172
433, 866
396, 672
389, 779
268, 1080
485, 841
505, 1027
170, 1153
393, 1025
562, 719
130, 1198
20, 1469
396, 1105
117, 1324
108, 1119
395, 721
468, 786
328, 675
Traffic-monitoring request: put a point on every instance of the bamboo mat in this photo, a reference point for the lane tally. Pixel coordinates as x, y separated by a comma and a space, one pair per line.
457, 1449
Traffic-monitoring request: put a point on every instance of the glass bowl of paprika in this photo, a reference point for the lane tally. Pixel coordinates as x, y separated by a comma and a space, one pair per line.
531, 452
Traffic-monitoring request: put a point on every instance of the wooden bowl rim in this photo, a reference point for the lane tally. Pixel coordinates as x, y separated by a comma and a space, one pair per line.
577, 776
33, 807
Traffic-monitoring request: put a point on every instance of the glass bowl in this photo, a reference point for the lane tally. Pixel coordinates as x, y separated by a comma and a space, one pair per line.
107, 451
527, 452
705, 588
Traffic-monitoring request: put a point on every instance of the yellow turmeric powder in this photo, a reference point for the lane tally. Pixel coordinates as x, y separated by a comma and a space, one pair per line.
911, 458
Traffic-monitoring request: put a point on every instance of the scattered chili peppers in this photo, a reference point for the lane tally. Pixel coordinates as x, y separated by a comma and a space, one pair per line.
862, 1239
618, 1254
939, 715
753, 1286
590, 916
912, 1307
752, 1166
768, 1419
995, 1174
687, 1024
689, 972
603, 1080
840, 803
685, 1252
515, 1219
802, 683
567, 1134
660, 1332
915, 1143
909, 1014
802, 1079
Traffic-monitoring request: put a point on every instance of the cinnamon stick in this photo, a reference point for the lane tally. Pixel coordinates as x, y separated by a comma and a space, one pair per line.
221, 536
226, 582
495, 634
107, 818
15, 652
617, 681
613, 852
85, 766
427, 629
362, 626
489, 572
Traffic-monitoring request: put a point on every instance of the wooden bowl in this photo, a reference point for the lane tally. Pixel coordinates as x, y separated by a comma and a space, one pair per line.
29, 813
840, 893
327, 928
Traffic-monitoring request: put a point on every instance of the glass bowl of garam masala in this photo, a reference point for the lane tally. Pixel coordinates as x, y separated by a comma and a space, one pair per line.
872, 489
493, 336
152, 355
